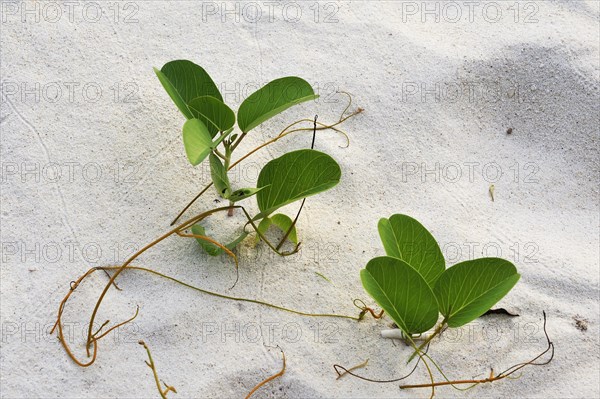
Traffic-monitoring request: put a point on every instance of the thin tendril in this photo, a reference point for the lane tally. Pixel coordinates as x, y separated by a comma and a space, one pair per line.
349, 371
216, 294
269, 379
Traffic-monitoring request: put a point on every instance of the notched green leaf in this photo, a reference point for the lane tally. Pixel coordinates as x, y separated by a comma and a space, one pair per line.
402, 292
405, 238
469, 289
272, 99
293, 176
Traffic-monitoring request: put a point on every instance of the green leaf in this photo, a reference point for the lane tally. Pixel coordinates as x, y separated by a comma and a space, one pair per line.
243, 193
217, 116
469, 289
219, 176
173, 93
293, 176
273, 98
183, 80
262, 228
211, 248
196, 140
402, 292
405, 238
281, 221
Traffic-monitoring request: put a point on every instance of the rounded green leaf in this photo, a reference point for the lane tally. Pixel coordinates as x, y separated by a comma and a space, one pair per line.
293, 176
273, 98
402, 292
405, 238
469, 289
213, 112
196, 140
183, 80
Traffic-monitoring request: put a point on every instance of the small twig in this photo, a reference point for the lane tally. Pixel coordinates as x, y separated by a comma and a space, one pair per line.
359, 303
271, 378
209, 185
137, 311
114, 282
323, 277
350, 372
168, 388
358, 366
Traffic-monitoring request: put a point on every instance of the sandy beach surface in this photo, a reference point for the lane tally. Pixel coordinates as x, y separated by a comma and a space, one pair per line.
458, 96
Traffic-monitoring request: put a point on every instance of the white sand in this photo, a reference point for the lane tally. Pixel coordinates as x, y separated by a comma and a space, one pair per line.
541, 75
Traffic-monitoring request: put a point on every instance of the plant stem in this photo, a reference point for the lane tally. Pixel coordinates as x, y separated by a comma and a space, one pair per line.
422, 357
219, 154
216, 294
228, 151
150, 363
237, 142
436, 332
267, 380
